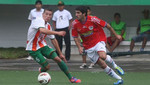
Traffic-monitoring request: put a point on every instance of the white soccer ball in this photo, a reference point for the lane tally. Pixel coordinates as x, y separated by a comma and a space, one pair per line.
44, 78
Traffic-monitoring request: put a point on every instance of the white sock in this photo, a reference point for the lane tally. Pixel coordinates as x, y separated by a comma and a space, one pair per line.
111, 61
111, 73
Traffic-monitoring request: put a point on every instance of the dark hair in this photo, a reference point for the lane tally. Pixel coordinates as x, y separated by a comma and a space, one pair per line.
88, 8
38, 2
47, 9
82, 9
117, 14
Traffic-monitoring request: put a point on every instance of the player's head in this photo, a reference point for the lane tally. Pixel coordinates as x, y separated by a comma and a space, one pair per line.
88, 10
61, 5
38, 4
47, 14
146, 13
117, 17
81, 12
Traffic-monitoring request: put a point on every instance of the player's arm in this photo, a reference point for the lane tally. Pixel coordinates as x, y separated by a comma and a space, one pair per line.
77, 41
49, 32
113, 31
55, 44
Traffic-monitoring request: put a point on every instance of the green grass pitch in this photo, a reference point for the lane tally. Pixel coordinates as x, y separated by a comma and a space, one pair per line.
58, 78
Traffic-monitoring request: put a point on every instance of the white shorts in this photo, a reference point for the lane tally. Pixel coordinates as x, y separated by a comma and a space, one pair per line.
92, 53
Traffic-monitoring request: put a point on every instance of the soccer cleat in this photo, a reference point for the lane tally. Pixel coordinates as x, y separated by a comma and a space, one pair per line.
75, 80
120, 70
83, 65
29, 58
119, 82
91, 65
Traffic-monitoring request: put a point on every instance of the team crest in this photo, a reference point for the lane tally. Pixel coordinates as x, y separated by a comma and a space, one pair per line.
90, 27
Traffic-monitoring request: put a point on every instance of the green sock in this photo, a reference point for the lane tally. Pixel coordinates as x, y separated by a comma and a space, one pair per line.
43, 69
64, 68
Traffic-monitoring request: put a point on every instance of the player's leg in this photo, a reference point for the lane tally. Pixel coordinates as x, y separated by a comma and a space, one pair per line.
109, 60
83, 59
132, 44
84, 62
135, 39
109, 43
107, 69
145, 38
108, 47
101, 50
143, 44
39, 58
115, 44
51, 54
64, 68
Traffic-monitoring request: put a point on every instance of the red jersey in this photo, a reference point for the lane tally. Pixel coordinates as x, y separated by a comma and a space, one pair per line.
91, 32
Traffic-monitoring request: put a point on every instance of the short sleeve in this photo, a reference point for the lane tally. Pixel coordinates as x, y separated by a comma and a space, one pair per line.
98, 21
51, 36
38, 23
30, 16
54, 17
69, 15
74, 30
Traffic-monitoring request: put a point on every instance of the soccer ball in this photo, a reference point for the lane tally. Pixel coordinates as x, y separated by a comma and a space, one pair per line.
44, 78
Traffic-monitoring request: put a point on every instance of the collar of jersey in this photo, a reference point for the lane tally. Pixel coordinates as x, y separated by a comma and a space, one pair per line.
84, 21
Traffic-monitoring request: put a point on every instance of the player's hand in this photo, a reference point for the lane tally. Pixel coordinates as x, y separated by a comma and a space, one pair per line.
63, 58
62, 33
119, 37
81, 50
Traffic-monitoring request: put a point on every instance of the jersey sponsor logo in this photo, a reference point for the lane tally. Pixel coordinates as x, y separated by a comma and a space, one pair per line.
87, 34
90, 27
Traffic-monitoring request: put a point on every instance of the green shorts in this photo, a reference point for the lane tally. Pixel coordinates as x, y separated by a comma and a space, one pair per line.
41, 53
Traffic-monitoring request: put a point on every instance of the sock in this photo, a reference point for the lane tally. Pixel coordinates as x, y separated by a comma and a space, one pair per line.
111, 73
110, 61
43, 69
64, 68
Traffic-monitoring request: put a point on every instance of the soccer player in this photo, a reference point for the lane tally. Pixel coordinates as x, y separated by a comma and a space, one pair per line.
35, 13
84, 65
90, 29
37, 47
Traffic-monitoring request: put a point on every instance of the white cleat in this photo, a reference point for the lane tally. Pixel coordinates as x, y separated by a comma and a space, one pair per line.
29, 58
91, 65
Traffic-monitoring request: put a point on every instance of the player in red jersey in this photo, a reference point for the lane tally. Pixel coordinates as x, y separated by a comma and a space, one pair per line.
90, 29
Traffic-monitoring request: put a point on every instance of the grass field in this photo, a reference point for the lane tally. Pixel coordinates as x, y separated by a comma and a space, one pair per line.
12, 53
58, 78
